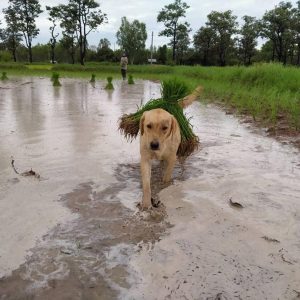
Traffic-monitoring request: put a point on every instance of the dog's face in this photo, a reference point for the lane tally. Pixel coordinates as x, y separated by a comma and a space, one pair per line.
156, 126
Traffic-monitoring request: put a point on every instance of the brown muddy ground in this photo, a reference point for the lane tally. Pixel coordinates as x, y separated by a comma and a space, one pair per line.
74, 232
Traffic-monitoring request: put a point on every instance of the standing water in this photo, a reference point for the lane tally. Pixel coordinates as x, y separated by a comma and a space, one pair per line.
74, 231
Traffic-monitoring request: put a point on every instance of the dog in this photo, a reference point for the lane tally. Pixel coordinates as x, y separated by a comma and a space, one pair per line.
160, 139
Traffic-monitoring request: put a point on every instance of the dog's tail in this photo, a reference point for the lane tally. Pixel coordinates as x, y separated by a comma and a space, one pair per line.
189, 99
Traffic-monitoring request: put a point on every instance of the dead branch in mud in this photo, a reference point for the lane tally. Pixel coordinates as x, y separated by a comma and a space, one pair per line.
26, 173
235, 204
13, 166
270, 239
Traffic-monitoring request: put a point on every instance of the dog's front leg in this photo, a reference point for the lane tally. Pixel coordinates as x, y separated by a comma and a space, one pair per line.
169, 168
146, 177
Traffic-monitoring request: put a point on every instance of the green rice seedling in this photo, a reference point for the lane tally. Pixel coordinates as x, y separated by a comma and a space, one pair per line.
173, 91
109, 85
55, 79
93, 79
4, 76
130, 79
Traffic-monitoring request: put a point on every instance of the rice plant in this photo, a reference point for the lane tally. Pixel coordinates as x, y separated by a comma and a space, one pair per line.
172, 91
109, 85
130, 79
4, 76
93, 79
55, 79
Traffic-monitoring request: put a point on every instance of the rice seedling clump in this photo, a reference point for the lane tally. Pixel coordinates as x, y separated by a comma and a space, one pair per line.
109, 85
173, 91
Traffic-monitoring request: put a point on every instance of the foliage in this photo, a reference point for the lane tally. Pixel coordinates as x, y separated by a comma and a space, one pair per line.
248, 39
223, 24
131, 37
130, 79
162, 54
4, 76
78, 19
276, 25
53, 17
170, 16
109, 85
93, 78
55, 79
26, 13
11, 35
204, 43
104, 53
173, 90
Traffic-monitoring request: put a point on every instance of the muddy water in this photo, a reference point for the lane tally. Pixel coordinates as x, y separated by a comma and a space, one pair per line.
75, 232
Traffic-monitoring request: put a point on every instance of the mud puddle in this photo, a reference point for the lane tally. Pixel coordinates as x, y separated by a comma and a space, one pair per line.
75, 232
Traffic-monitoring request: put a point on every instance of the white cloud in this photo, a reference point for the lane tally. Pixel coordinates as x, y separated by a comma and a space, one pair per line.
146, 11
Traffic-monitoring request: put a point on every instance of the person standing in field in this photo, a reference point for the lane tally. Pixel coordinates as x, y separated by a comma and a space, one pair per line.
124, 63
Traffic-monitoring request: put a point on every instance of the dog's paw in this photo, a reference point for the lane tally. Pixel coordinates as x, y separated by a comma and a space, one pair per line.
155, 202
143, 206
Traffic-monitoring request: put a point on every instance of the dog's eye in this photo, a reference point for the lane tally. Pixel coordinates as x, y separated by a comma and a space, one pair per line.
149, 126
164, 128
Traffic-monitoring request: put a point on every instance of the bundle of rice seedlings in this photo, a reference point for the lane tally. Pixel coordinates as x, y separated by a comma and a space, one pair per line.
173, 93
55, 79
109, 85
4, 76
93, 79
130, 79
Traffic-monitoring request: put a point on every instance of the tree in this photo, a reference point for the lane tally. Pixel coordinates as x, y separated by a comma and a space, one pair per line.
68, 43
162, 54
204, 40
183, 41
276, 26
79, 18
104, 43
223, 24
54, 14
131, 37
10, 35
296, 29
104, 52
26, 12
170, 16
248, 40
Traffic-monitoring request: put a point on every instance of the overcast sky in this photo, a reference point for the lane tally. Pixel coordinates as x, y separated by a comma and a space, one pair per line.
147, 10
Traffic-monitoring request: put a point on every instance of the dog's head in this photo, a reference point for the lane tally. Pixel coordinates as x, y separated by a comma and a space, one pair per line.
156, 126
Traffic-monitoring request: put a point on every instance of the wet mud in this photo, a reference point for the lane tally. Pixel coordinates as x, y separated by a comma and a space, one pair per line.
228, 223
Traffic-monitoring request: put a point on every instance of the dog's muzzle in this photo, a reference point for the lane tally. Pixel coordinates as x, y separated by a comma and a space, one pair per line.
154, 145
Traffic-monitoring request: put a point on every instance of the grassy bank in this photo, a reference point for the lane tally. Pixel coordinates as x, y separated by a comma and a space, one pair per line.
268, 92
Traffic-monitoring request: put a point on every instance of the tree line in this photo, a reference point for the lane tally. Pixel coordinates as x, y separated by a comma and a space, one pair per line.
221, 41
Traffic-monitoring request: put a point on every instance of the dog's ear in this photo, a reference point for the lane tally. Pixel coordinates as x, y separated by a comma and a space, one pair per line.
142, 120
173, 126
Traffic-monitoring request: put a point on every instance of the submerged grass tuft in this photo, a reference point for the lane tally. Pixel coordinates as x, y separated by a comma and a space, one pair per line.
4, 76
109, 85
268, 92
55, 79
130, 79
93, 78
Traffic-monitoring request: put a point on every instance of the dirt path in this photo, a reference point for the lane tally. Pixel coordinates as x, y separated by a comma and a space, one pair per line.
75, 232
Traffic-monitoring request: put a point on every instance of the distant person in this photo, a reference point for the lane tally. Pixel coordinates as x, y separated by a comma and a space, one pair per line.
124, 63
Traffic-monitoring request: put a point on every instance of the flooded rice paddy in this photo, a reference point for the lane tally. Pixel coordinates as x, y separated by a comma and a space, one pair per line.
74, 231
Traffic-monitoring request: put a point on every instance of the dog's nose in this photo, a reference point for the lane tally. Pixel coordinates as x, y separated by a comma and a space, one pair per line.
154, 145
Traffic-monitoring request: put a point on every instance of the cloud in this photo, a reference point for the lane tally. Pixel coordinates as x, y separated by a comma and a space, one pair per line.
146, 11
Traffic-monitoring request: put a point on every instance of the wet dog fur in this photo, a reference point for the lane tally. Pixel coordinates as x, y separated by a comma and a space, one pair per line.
160, 139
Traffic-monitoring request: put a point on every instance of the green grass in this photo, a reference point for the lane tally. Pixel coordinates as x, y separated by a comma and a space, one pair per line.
266, 91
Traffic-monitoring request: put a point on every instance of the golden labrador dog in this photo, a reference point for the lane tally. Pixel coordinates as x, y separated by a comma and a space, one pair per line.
160, 139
